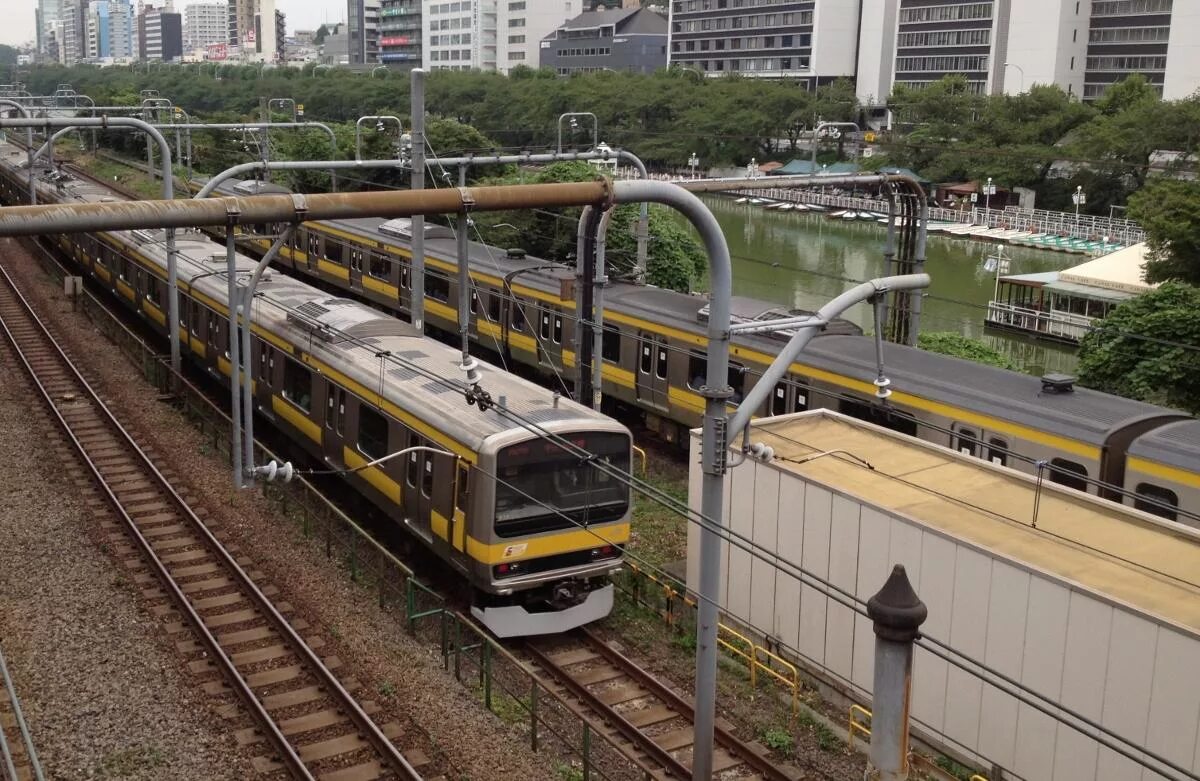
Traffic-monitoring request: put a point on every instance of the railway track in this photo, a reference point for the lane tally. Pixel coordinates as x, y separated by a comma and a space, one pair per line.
650, 722
304, 722
18, 757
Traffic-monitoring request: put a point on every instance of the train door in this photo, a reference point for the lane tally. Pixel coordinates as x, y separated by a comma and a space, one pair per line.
296, 245
404, 289
335, 422
314, 250
476, 313
356, 268
653, 359
418, 490
550, 337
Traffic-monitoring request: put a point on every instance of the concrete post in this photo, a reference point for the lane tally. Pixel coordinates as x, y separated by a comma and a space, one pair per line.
235, 398
897, 614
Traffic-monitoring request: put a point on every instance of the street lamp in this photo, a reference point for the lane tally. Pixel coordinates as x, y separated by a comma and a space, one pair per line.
693, 161
1020, 69
1080, 199
989, 190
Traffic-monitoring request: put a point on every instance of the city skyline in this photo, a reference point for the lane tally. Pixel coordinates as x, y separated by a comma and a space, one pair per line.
301, 15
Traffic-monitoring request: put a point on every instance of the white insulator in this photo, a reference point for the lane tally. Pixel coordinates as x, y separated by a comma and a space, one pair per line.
761, 452
272, 470
470, 367
881, 388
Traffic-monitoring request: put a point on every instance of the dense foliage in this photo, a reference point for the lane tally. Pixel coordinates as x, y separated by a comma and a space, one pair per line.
959, 346
1169, 211
674, 259
1148, 349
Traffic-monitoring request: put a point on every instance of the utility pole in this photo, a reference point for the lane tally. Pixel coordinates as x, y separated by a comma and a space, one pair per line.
417, 277
585, 273
897, 614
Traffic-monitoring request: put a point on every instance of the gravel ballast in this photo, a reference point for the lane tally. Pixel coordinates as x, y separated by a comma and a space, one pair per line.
405, 677
103, 692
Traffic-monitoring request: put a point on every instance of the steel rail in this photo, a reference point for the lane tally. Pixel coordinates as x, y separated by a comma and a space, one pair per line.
10, 764
240, 685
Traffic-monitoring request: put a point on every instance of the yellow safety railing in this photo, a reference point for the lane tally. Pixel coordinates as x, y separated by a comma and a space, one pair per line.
978, 777
642, 454
772, 667
746, 651
859, 721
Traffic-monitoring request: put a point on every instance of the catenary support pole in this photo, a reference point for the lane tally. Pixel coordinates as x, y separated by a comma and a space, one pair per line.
416, 296
247, 312
585, 272
914, 327
168, 186
24, 112
897, 614
599, 281
235, 392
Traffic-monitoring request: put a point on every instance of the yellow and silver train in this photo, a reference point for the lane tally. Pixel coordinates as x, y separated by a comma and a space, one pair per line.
535, 529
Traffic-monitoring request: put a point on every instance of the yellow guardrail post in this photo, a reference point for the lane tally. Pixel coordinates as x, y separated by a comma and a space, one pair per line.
978, 777
862, 727
748, 653
642, 454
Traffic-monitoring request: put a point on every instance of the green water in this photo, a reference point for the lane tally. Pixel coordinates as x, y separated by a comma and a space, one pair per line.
802, 260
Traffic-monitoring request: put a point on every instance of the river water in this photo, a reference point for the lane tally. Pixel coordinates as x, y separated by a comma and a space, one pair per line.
801, 260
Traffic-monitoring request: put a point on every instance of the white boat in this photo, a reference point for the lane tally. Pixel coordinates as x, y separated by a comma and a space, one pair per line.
849, 214
741, 200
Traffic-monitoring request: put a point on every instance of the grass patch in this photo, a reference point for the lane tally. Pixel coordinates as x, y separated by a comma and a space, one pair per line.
779, 739
387, 689
120, 174
953, 768
660, 534
827, 739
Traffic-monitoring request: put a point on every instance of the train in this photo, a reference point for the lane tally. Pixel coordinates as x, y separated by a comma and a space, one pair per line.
531, 526
654, 341
653, 362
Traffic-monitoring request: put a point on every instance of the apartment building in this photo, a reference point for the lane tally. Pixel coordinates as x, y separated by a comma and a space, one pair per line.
363, 21
253, 28
205, 24
400, 33
522, 24
810, 41
1157, 38
110, 30
458, 35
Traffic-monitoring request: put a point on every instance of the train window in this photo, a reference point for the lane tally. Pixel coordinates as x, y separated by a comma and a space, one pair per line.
800, 403
737, 381
647, 357
474, 302
900, 422
262, 365
437, 288
460, 487
404, 278
997, 451
493, 308
314, 244
697, 370
660, 368
967, 442
1068, 473
335, 252
197, 313
356, 257
545, 327
297, 385
122, 268
518, 315
414, 459
372, 433
380, 267
779, 399
557, 336
1156, 500
427, 477
611, 348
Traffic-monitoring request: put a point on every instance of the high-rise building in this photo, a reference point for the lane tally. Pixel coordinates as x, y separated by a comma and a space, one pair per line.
810, 41
49, 29
400, 33
110, 28
459, 35
253, 30
522, 24
1007, 46
363, 28
205, 24
73, 26
160, 35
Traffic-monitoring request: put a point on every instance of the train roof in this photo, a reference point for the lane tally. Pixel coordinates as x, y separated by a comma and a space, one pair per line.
1175, 444
1083, 414
351, 337
1123, 554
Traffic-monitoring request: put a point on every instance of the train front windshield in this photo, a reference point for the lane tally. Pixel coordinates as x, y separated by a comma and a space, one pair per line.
542, 487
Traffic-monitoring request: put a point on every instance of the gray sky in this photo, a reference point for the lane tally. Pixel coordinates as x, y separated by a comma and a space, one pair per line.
301, 15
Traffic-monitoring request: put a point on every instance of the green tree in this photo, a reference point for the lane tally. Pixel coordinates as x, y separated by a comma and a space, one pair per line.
674, 259
1169, 211
959, 346
321, 34
8, 55
1148, 349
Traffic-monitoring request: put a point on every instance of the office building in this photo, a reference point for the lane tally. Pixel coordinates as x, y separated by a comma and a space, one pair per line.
458, 35
48, 33
400, 33
632, 39
253, 30
809, 41
1007, 46
110, 30
160, 35
72, 26
522, 24
205, 24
